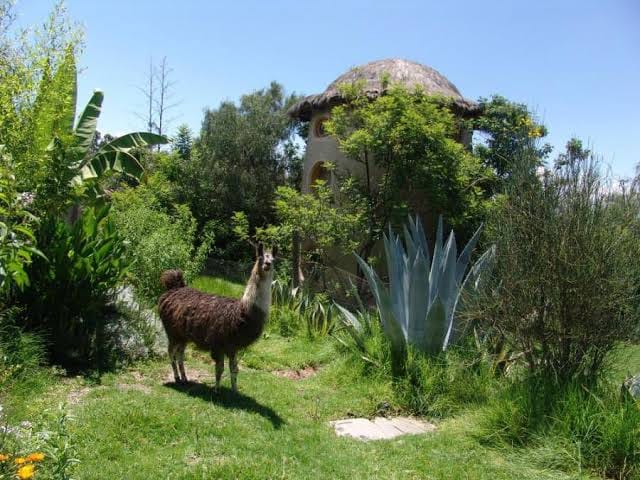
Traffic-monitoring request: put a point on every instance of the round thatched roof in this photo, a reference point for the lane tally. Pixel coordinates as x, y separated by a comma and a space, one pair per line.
410, 74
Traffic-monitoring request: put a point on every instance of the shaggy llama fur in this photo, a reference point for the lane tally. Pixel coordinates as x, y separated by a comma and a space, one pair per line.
221, 325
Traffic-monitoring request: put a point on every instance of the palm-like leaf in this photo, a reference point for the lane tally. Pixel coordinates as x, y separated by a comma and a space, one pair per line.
134, 140
87, 124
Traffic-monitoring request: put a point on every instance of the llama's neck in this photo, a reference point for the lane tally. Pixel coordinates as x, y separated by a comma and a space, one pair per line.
258, 291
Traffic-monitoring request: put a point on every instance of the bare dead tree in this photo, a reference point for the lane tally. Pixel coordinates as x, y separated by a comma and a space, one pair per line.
164, 100
159, 97
149, 92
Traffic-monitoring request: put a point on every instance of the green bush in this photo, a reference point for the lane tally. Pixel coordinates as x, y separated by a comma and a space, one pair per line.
157, 240
443, 385
285, 321
566, 271
299, 309
71, 288
17, 240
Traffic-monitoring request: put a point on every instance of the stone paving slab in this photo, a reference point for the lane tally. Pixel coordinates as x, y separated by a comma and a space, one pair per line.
380, 428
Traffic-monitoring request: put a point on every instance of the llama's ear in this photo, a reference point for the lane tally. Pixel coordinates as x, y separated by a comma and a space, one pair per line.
274, 250
260, 250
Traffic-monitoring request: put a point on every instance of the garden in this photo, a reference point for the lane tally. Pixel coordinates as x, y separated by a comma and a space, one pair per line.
490, 288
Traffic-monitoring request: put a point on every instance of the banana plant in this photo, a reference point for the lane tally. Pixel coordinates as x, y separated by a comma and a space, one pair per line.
70, 148
119, 155
425, 291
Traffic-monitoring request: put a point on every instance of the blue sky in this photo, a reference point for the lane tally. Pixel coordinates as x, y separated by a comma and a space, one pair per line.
576, 63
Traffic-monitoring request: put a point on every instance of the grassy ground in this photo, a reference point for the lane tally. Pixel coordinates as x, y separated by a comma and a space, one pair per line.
137, 424
218, 285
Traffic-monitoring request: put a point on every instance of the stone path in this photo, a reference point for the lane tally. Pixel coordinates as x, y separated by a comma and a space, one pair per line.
381, 428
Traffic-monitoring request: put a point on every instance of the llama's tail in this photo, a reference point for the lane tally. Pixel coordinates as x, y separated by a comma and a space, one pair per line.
171, 279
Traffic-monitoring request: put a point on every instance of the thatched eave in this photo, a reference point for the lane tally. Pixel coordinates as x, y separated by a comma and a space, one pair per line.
410, 74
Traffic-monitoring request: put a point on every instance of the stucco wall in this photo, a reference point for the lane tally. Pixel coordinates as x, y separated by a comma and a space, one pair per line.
324, 149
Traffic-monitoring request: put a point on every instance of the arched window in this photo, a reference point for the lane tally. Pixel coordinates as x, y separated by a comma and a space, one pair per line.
319, 172
319, 127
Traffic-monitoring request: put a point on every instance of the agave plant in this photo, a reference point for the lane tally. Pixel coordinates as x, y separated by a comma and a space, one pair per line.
424, 291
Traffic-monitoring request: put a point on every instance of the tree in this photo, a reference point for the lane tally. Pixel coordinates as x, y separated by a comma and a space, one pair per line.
183, 142
244, 151
149, 92
36, 98
99, 140
158, 96
164, 100
510, 132
404, 143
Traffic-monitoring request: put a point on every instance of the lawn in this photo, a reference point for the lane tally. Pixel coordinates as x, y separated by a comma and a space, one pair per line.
137, 424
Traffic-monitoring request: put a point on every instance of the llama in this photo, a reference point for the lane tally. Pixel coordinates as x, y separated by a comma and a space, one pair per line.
220, 325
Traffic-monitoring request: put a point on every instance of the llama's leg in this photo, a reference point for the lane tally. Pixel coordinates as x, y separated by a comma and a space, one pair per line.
218, 358
173, 357
233, 367
180, 355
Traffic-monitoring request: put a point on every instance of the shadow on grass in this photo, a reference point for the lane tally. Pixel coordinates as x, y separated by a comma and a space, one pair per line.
227, 398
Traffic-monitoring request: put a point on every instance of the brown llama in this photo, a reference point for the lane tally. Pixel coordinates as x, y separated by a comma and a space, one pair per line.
220, 325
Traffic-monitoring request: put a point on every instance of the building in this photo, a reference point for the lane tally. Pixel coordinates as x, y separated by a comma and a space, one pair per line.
316, 109
322, 148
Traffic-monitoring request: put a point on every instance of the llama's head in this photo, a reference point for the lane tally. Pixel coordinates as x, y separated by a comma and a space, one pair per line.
265, 258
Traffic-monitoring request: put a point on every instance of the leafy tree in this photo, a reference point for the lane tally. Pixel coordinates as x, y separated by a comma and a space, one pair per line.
315, 218
183, 142
37, 97
510, 132
244, 151
404, 143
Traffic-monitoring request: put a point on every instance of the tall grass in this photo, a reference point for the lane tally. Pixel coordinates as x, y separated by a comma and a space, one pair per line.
20, 352
446, 384
598, 427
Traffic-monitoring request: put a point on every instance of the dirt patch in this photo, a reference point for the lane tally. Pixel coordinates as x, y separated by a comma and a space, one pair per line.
139, 387
76, 396
193, 375
296, 374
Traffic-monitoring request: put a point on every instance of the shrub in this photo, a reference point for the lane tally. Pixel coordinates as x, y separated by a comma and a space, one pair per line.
566, 270
17, 240
157, 240
70, 289
297, 309
443, 385
284, 321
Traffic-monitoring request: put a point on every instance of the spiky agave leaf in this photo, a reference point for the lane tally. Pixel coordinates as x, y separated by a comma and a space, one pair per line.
389, 323
424, 292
